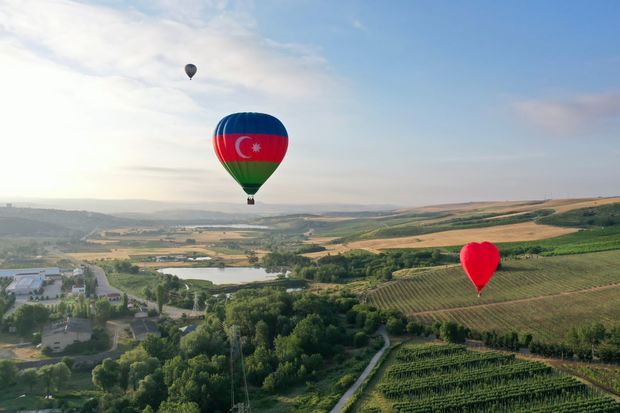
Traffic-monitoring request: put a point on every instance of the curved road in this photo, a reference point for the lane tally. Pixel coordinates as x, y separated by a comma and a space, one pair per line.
104, 288
373, 362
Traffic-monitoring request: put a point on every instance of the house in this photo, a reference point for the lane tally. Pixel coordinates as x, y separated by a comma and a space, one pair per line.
114, 297
58, 336
78, 290
25, 284
78, 272
45, 272
141, 328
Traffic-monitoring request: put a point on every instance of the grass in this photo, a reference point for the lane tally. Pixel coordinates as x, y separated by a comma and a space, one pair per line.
133, 284
447, 293
430, 389
76, 392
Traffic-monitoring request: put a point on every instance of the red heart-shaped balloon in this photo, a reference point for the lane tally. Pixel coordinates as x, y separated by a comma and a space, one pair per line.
480, 260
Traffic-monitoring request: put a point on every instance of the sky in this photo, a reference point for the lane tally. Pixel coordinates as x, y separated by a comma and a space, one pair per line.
401, 102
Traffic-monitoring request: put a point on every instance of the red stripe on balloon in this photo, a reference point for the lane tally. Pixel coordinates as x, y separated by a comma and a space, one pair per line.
240, 147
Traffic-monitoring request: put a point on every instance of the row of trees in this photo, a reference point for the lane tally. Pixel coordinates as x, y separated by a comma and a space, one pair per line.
51, 376
354, 264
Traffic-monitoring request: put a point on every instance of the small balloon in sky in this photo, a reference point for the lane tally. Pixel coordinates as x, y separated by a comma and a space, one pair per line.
190, 70
250, 146
480, 261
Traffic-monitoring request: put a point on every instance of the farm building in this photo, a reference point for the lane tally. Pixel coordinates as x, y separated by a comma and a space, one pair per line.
141, 328
45, 272
25, 284
58, 336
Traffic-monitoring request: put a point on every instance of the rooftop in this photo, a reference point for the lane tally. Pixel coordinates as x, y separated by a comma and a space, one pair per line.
143, 326
70, 325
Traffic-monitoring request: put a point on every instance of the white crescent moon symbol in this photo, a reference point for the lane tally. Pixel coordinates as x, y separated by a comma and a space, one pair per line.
238, 149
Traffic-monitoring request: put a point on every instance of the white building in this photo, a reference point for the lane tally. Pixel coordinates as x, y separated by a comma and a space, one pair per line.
25, 284
45, 272
58, 336
78, 290
78, 272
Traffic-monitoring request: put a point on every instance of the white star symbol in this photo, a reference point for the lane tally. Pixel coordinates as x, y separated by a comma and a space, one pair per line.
256, 147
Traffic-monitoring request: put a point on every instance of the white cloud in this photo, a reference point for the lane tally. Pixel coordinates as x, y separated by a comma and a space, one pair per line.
357, 24
576, 115
90, 91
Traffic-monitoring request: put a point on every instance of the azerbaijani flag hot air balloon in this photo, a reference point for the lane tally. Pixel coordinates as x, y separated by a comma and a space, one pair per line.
251, 147
480, 261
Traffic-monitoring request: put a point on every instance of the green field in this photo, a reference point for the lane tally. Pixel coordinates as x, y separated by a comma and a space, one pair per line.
539, 284
448, 378
77, 391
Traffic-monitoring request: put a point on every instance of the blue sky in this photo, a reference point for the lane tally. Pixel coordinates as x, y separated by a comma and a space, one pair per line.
403, 102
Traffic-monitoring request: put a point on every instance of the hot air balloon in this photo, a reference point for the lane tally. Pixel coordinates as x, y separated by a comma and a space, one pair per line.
251, 147
190, 70
480, 260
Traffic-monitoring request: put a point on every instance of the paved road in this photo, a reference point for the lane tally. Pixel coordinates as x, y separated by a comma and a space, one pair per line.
373, 362
104, 287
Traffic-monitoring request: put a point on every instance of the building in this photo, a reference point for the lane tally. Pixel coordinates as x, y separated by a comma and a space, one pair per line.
58, 336
45, 272
114, 297
78, 290
25, 284
141, 328
78, 272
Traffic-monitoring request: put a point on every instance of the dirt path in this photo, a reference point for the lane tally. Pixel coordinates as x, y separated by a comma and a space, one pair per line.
520, 300
373, 362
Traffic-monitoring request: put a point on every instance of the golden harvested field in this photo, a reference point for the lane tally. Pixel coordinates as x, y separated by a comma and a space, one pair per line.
526, 231
126, 253
559, 205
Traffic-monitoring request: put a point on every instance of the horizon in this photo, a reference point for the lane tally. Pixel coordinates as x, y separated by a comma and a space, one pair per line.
493, 105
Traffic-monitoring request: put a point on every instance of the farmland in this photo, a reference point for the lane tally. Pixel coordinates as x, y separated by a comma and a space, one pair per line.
544, 296
448, 378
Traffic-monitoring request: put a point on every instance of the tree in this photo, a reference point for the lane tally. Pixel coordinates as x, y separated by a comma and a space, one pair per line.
27, 318
140, 369
360, 339
395, 325
124, 304
151, 390
106, 375
8, 373
29, 378
53, 375
178, 407
262, 337
103, 310
160, 294
452, 332
209, 338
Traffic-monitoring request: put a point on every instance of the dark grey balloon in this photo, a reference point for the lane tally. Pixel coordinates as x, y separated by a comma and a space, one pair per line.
190, 70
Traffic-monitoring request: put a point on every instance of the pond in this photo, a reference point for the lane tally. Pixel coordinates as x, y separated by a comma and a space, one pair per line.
229, 275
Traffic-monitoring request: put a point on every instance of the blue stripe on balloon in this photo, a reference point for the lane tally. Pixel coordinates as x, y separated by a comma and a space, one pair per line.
250, 122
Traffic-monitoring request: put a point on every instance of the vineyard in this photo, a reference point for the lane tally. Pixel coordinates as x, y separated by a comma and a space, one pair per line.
448, 378
538, 295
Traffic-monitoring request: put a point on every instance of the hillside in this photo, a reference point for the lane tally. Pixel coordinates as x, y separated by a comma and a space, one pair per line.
448, 225
544, 296
54, 222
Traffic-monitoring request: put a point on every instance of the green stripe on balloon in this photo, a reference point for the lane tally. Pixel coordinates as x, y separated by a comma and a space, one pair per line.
251, 175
